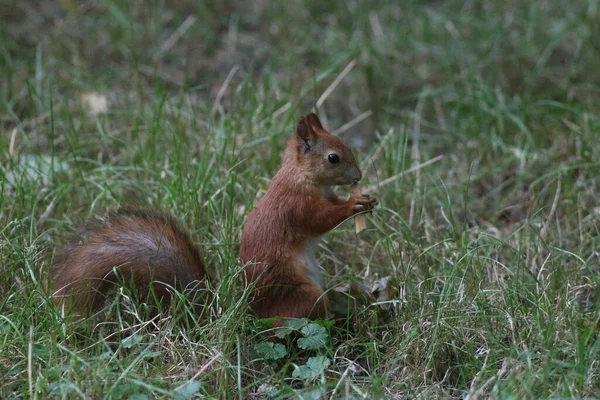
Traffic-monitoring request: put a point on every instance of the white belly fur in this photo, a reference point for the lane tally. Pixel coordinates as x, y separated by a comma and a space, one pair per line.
311, 246
310, 256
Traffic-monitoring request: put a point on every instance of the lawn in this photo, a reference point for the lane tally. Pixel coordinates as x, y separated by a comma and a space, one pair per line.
476, 125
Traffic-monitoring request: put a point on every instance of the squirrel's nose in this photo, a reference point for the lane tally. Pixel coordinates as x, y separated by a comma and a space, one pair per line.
357, 175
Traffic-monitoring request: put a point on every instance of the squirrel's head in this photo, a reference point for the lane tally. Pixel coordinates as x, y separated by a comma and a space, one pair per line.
322, 157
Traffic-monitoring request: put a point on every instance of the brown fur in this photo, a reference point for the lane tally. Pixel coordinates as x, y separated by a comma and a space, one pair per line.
144, 247
299, 206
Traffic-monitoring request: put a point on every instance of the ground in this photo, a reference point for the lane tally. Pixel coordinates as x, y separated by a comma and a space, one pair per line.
476, 124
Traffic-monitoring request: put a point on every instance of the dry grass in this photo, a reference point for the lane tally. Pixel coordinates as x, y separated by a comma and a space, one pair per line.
183, 105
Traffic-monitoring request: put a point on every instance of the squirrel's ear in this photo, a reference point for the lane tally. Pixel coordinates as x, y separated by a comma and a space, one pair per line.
306, 130
313, 120
306, 133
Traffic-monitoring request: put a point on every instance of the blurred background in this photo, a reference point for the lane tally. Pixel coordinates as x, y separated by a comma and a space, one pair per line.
457, 53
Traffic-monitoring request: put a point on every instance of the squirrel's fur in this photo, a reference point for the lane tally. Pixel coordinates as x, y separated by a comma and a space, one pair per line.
143, 245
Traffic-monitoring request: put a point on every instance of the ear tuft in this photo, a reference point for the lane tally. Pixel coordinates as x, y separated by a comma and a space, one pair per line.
307, 125
313, 120
307, 130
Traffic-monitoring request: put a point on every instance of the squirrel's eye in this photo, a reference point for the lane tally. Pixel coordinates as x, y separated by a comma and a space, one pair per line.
333, 158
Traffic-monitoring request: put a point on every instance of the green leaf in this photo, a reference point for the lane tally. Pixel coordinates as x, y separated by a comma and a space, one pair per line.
264, 323
132, 340
326, 324
290, 326
60, 389
190, 389
312, 369
283, 332
315, 337
296, 324
270, 350
106, 355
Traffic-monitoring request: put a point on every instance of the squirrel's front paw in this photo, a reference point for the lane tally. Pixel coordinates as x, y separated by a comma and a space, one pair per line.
364, 203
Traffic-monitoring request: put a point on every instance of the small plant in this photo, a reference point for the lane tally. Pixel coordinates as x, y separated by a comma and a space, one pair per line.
300, 334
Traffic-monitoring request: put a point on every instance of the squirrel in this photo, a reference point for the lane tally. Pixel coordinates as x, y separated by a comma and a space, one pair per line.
278, 243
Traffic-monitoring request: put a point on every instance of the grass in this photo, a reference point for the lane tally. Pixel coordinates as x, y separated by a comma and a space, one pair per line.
493, 249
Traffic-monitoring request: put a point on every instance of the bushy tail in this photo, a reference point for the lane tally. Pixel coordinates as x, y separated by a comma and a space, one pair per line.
137, 246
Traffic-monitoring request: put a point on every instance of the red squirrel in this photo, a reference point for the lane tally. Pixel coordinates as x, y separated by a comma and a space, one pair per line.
282, 233
278, 242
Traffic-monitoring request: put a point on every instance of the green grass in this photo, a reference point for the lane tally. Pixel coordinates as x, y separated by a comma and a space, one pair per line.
493, 250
